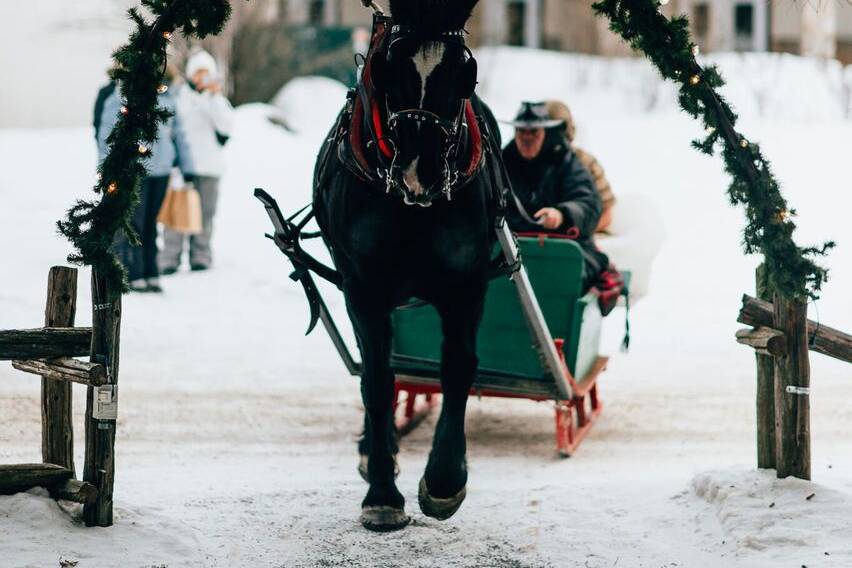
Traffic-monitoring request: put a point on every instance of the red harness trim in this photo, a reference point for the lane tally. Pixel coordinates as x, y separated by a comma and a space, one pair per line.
379, 130
475, 139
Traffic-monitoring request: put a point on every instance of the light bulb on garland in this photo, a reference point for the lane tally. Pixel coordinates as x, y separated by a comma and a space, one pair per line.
143, 149
167, 36
162, 89
112, 188
694, 80
744, 143
124, 110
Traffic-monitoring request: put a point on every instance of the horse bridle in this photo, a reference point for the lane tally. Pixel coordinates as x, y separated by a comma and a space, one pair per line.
452, 130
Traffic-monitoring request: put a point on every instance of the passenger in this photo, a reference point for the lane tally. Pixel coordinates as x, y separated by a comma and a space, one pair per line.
554, 191
207, 117
560, 111
169, 148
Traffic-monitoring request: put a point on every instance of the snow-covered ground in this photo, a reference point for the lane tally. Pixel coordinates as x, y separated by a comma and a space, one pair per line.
236, 433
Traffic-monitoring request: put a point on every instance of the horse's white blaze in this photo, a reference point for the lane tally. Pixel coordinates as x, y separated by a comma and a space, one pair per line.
410, 178
425, 61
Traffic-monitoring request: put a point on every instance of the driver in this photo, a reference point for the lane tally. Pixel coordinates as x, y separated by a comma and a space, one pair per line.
554, 193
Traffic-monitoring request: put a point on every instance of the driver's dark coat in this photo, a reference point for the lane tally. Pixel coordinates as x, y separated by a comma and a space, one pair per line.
556, 178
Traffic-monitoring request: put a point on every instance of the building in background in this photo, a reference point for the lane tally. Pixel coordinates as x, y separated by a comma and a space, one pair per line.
820, 28
55, 46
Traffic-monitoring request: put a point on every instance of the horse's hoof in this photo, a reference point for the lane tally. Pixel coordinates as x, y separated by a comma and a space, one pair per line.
362, 467
438, 507
383, 518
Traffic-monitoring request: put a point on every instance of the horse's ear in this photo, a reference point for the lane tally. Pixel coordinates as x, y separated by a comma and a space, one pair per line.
466, 81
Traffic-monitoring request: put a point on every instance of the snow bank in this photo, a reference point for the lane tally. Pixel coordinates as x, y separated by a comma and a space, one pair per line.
310, 104
35, 519
787, 522
776, 85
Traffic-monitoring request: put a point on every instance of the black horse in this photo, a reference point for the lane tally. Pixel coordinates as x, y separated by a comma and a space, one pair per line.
406, 196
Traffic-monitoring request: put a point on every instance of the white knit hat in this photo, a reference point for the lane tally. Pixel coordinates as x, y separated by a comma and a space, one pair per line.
200, 60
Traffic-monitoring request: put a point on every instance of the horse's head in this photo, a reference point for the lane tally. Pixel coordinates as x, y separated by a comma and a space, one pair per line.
423, 74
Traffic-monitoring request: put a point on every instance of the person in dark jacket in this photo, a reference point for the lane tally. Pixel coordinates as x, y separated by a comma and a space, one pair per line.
553, 190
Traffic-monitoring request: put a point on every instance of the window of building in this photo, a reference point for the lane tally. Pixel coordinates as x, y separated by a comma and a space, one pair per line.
516, 15
701, 20
744, 20
316, 12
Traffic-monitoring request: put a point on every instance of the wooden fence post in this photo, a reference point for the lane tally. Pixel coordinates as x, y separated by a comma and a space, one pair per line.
765, 390
102, 401
57, 434
792, 388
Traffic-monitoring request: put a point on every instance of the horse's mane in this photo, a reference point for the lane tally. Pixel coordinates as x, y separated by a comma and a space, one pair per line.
432, 16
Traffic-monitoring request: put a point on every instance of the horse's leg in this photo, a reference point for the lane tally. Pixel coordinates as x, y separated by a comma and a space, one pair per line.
364, 448
383, 506
442, 488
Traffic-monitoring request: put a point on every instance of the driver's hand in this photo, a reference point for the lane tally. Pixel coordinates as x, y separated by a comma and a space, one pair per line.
550, 217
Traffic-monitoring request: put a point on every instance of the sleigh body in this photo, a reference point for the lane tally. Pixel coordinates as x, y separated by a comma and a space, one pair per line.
512, 362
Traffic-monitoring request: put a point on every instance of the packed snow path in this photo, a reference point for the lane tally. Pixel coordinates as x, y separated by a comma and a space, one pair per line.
236, 436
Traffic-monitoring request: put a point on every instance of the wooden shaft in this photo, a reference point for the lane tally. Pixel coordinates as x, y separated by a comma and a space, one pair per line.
792, 410
74, 490
764, 340
99, 468
57, 429
765, 402
44, 343
20, 477
65, 369
821, 338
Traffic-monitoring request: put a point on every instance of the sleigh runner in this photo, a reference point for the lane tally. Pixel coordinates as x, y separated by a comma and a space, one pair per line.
539, 338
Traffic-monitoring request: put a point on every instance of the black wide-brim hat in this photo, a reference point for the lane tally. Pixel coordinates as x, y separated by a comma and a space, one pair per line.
534, 115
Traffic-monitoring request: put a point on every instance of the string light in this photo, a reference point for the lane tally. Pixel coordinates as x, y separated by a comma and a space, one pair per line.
744, 143
783, 215
167, 36
710, 129
162, 89
143, 149
112, 188
124, 110
694, 80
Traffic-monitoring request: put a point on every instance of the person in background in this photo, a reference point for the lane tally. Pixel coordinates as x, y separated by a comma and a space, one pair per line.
559, 111
103, 94
169, 148
553, 190
207, 119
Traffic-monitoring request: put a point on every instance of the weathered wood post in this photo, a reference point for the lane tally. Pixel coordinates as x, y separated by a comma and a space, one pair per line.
792, 391
765, 390
57, 434
102, 401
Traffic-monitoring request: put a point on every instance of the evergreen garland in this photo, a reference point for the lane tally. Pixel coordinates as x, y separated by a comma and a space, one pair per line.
140, 66
791, 269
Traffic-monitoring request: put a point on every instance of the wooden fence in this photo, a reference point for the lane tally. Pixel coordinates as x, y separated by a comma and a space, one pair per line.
782, 335
49, 352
